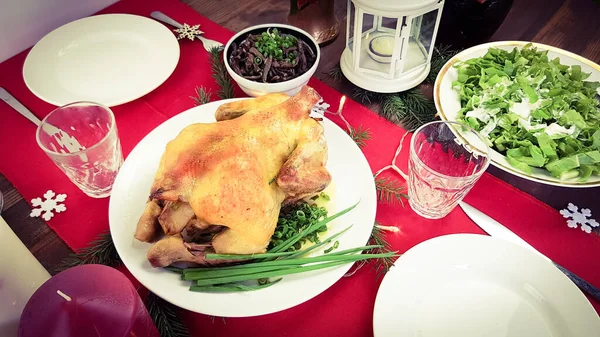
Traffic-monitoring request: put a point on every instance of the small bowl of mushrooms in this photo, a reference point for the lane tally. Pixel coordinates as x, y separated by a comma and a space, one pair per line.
271, 58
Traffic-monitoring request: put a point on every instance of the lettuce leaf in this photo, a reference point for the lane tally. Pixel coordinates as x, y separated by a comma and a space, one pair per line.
555, 93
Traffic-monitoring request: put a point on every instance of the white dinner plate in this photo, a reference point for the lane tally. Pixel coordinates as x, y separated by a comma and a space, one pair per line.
447, 102
110, 59
469, 285
352, 182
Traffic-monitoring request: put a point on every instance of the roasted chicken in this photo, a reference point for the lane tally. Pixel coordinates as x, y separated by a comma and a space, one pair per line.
220, 186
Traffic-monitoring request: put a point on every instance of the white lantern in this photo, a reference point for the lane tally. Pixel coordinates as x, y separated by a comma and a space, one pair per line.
389, 42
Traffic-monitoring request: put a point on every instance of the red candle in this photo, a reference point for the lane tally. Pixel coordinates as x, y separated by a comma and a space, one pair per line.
89, 300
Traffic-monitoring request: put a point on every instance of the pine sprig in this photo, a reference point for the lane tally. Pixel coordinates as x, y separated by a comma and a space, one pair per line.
100, 251
389, 190
203, 96
363, 95
220, 75
360, 135
411, 109
441, 55
381, 265
166, 317
335, 73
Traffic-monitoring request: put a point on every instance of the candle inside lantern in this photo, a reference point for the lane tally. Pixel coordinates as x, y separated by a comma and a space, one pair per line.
381, 48
88, 300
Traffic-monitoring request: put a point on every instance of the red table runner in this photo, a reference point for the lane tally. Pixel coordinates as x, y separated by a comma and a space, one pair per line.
346, 308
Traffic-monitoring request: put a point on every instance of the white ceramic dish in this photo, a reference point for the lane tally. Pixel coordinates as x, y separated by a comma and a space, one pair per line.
291, 87
447, 102
474, 285
110, 59
352, 182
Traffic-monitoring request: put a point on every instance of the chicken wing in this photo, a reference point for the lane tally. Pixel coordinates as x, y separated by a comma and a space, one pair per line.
304, 173
236, 109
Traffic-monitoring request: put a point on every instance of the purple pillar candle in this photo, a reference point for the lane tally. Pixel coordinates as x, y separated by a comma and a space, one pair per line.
88, 300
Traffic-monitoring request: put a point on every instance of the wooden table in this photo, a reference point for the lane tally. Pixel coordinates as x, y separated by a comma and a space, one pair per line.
571, 25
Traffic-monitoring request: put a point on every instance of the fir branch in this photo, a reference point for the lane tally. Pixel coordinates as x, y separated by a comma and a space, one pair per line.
381, 265
441, 55
411, 109
393, 109
100, 251
389, 190
166, 317
363, 95
220, 75
335, 73
360, 135
202, 96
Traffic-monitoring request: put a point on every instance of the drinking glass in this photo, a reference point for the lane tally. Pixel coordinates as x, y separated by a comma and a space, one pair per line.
446, 159
82, 140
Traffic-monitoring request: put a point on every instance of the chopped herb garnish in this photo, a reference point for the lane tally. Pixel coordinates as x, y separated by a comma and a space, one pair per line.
296, 218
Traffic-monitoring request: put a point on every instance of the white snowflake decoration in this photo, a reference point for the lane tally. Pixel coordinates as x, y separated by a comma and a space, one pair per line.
189, 32
49, 205
320, 107
578, 217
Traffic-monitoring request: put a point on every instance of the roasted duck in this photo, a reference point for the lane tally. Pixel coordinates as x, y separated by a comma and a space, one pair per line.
220, 186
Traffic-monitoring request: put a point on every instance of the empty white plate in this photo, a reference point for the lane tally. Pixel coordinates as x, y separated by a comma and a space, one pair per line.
464, 285
110, 59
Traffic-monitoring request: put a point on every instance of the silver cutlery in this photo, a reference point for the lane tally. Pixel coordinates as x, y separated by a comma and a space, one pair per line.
207, 43
15, 104
495, 229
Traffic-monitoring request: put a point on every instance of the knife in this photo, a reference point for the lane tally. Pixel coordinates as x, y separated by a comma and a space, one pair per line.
495, 229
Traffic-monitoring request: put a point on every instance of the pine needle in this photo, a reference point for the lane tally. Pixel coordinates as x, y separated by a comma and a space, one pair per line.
410, 109
441, 55
203, 96
335, 73
364, 96
393, 109
381, 265
360, 135
220, 75
166, 317
100, 251
389, 190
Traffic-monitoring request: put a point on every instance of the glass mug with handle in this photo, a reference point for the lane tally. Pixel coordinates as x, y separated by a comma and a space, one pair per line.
82, 140
446, 159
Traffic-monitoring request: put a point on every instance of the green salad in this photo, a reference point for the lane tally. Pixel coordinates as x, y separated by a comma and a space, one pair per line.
535, 111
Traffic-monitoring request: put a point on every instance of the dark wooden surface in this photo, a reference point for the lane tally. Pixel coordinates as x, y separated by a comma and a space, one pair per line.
572, 25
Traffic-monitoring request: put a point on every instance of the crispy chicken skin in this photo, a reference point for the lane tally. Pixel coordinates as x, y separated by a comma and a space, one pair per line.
173, 249
304, 172
148, 228
236, 109
175, 216
237, 172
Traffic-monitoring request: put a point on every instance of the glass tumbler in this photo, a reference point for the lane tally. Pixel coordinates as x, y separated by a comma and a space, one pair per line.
446, 159
82, 140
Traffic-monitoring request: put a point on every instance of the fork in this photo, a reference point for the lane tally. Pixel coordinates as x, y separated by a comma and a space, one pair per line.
207, 43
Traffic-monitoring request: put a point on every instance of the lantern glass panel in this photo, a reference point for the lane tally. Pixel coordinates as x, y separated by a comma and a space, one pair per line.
386, 24
419, 45
377, 45
350, 27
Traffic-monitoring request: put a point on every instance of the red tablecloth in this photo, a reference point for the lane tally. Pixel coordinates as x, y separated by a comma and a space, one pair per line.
346, 308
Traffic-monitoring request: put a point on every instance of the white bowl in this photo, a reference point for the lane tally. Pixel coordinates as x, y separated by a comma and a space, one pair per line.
290, 87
